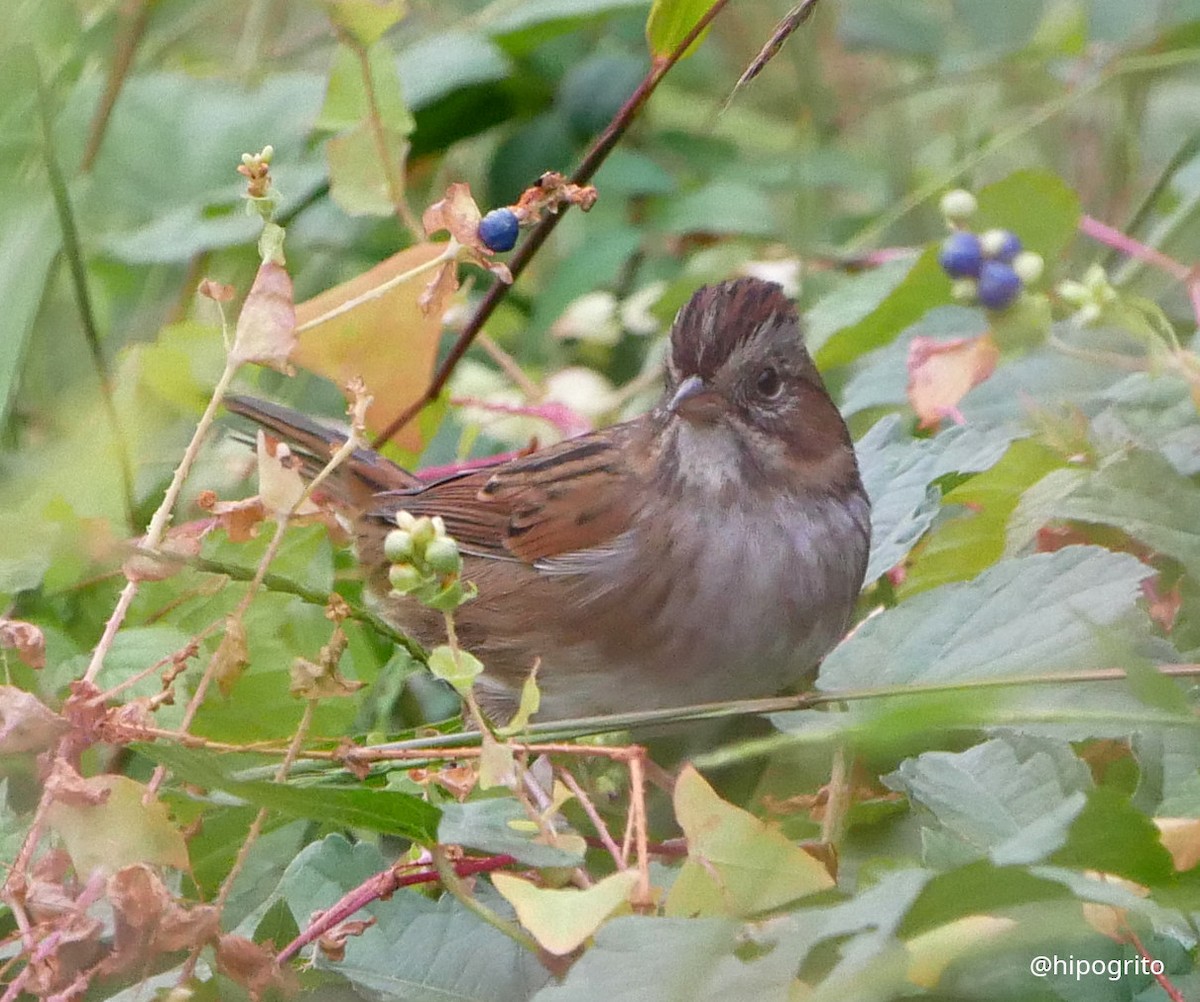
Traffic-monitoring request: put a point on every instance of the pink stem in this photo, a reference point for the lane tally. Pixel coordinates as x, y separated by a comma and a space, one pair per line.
1134, 248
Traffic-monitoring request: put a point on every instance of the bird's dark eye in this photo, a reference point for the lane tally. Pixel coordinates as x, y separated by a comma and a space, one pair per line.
769, 383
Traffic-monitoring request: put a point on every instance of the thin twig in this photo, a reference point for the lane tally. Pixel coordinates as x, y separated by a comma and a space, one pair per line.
589, 809
454, 884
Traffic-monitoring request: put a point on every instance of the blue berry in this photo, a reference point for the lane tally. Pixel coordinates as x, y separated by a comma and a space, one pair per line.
961, 255
999, 285
498, 230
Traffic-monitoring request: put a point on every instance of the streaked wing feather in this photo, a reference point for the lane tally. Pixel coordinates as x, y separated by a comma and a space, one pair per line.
569, 497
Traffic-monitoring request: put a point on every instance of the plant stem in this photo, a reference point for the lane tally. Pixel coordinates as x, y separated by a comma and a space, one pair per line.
458, 890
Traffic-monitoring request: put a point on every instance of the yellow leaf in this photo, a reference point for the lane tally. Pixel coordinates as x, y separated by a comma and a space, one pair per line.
930, 953
388, 341
737, 865
116, 829
1181, 838
560, 920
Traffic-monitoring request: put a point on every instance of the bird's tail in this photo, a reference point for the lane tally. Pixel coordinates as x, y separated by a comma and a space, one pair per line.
364, 474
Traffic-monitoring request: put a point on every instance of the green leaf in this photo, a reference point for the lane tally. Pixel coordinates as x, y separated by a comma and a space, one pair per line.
898, 470
346, 99
853, 300
722, 207
143, 213
1040, 614
736, 864
561, 919
447, 61
1155, 412
29, 241
910, 289
458, 667
635, 958
418, 948
962, 546
356, 807
1035, 204
1012, 798
366, 20
1001, 27
1110, 835
1163, 518
497, 825
669, 23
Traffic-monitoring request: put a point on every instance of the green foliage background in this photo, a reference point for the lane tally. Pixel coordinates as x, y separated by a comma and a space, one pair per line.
1036, 538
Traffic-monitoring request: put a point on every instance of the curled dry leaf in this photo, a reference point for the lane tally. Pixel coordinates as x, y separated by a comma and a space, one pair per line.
266, 327
218, 292
253, 967
26, 724
333, 943
149, 922
239, 519
106, 822
311, 680
940, 374
26, 639
232, 655
457, 779
457, 213
551, 192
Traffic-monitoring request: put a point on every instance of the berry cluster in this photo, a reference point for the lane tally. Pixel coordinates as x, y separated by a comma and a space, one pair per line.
425, 562
990, 268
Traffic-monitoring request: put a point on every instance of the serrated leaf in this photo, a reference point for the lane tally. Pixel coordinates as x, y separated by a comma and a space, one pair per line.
898, 470
962, 546
1164, 518
635, 958
737, 864
1012, 798
562, 919
1039, 614
357, 807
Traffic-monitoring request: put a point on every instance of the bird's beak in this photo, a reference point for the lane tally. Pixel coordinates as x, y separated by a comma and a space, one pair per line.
695, 399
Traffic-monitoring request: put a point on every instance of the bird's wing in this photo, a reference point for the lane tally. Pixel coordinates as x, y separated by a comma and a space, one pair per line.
568, 497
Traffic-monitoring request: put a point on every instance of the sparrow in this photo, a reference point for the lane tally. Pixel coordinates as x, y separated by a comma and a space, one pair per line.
709, 550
